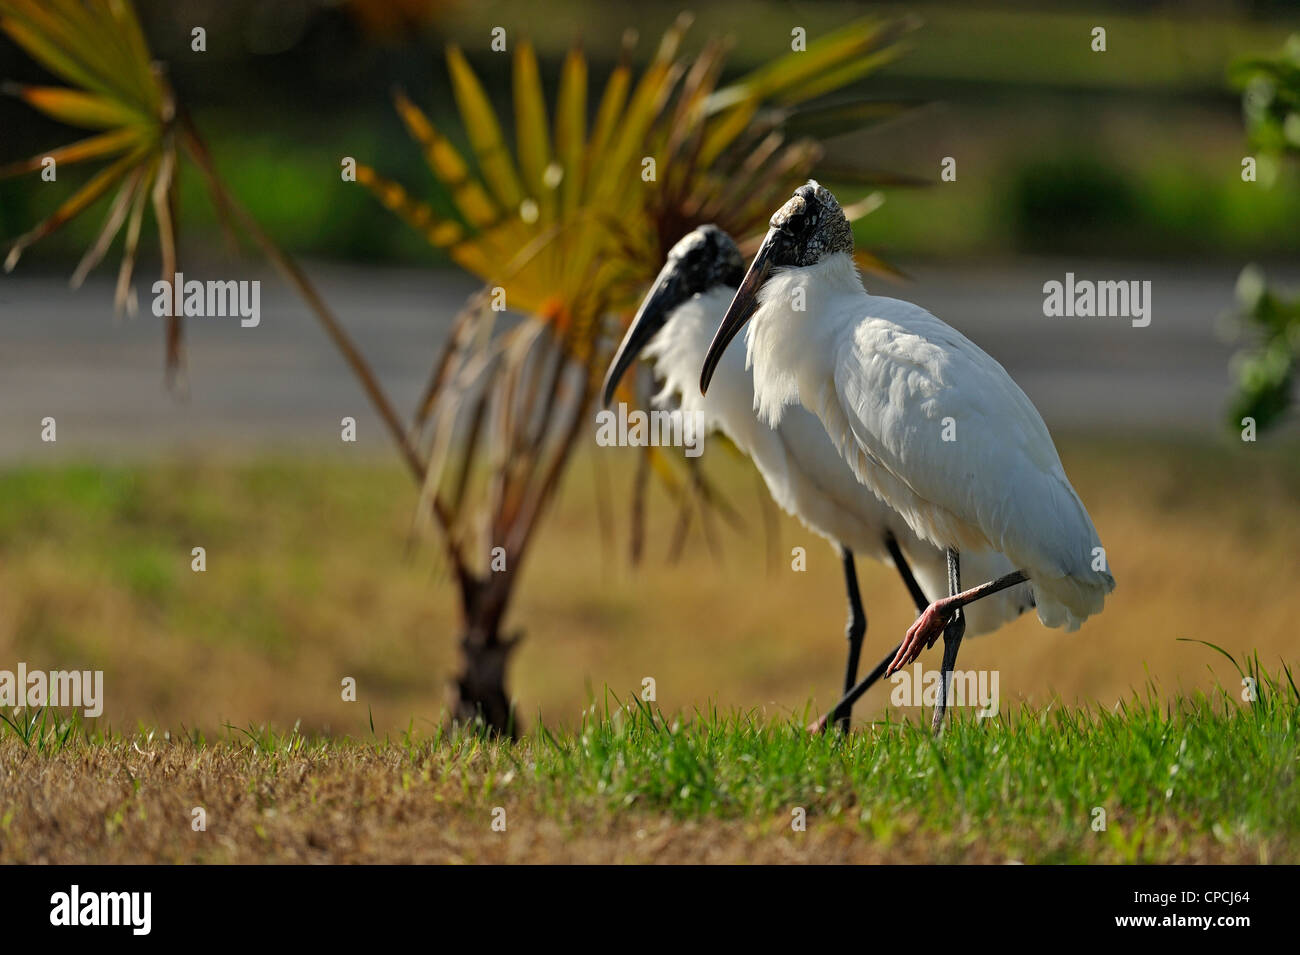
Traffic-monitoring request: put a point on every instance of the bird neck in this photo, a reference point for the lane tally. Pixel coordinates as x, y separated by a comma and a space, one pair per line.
679, 348
790, 338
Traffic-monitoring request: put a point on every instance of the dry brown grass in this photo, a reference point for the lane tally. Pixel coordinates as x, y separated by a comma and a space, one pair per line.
126, 802
309, 581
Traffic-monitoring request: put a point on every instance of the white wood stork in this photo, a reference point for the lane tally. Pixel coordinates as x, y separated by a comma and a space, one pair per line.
929, 422
802, 469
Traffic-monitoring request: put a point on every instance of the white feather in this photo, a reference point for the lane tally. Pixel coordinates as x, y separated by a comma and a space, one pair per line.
888, 379
801, 466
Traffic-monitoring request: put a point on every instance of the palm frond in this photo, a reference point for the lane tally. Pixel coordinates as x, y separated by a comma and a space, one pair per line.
594, 230
98, 48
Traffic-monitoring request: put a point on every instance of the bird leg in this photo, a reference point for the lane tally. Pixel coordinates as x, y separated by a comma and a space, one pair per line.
905, 571
853, 693
857, 629
952, 635
936, 617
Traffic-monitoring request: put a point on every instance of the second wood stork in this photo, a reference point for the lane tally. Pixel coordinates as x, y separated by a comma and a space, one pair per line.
802, 469
927, 421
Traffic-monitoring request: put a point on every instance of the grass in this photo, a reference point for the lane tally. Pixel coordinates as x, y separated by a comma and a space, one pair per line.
311, 579
1207, 779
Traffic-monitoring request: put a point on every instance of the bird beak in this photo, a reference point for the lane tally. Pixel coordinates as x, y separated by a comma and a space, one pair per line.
745, 302
664, 296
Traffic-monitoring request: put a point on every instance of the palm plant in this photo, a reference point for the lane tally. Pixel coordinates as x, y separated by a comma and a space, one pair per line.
142, 133
118, 92
565, 229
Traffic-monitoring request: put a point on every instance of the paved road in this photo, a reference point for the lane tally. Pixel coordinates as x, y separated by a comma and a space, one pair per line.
281, 384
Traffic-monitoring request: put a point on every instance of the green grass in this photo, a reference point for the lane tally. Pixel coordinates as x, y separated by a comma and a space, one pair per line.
310, 579
1030, 782
1207, 777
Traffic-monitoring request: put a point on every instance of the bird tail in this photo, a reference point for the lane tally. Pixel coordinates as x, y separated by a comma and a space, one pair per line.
1069, 586
1069, 601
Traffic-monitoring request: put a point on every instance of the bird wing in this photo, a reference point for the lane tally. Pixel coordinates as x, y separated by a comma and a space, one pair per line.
963, 450
816, 465
828, 494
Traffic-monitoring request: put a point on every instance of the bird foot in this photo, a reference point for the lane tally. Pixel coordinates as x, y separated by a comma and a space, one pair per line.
819, 725
922, 633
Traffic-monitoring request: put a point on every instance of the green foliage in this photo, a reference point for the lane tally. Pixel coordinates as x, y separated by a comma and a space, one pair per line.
1270, 88
1266, 319
1265, 369
567, 222
566, 219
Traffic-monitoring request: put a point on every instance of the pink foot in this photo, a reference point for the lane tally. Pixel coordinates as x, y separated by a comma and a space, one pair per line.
817, 726
922, 634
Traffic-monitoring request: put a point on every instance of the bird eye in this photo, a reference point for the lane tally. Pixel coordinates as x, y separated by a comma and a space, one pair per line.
803, 225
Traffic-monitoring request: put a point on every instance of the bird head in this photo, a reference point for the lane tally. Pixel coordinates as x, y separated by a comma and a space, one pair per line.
703, 259
809, 227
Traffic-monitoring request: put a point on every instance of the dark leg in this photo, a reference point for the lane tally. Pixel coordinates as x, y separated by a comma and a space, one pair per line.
936, 617
940, 609
857, 629
905, 571
853, 693
952, 635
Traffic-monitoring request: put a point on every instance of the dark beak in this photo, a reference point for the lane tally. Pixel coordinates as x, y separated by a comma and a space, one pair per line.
664, 296
744, 303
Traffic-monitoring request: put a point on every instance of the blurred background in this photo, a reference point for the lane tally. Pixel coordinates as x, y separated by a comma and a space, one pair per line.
1117, 165
1145, 139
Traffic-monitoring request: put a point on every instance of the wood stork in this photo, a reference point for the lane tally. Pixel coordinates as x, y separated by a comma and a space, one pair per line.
926, 420
801, 467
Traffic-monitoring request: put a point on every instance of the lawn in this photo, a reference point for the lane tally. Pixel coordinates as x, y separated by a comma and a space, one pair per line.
314, 575
1206, 780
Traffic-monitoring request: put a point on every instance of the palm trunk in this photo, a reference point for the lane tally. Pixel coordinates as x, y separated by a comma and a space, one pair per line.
478, 692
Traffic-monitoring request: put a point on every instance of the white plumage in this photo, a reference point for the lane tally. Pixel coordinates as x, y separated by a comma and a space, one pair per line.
804, 472
887, 379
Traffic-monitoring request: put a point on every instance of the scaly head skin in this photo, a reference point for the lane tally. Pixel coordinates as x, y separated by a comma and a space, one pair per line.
704, 258
808, 228
701, 260
811, 226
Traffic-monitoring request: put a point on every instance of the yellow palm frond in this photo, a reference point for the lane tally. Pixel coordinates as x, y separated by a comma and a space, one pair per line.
98, 48
589, 195
570, 222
